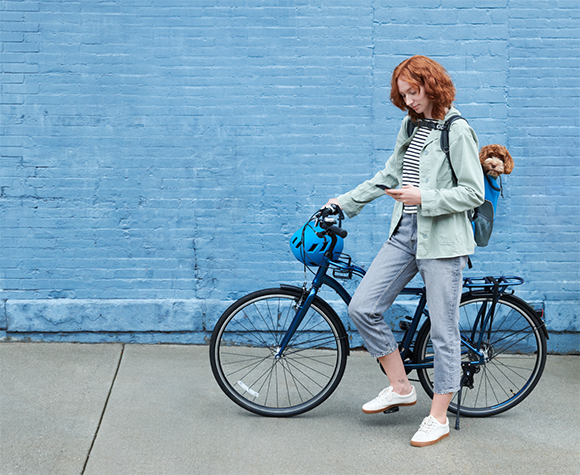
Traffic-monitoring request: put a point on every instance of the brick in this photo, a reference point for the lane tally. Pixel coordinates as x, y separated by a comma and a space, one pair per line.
22, 6
19, 68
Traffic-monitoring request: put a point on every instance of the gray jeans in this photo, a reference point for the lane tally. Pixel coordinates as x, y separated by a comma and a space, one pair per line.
393, 268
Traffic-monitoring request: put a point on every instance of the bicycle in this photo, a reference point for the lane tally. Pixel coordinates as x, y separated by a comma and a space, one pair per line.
283, 351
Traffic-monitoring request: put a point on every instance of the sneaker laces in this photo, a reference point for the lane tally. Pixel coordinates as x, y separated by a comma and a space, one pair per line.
427, 425
386, 393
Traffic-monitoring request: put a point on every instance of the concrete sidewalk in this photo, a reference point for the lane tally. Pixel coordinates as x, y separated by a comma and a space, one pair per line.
156, 409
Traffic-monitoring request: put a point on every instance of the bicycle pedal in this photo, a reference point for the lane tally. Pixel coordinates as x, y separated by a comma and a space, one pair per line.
405, 324
391, 410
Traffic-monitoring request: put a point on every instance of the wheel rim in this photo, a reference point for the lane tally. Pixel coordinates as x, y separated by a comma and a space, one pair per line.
256, 379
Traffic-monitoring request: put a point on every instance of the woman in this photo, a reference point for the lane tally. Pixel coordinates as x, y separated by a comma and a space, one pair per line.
430, 234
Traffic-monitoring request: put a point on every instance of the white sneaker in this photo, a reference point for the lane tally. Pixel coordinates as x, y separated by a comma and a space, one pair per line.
430, 432
388, 399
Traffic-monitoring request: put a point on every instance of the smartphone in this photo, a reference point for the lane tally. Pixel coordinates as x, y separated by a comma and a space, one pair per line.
383, 187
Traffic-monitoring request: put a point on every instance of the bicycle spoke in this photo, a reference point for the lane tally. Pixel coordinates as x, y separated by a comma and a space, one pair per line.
298, 358
503, 373
253, 365
297, 382
297, 368
318, 341
249, 332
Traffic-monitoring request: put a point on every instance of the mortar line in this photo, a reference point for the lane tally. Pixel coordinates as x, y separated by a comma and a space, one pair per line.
104, 409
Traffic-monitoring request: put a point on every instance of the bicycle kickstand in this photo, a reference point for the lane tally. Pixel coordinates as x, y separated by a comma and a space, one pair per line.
458, 405
466, 381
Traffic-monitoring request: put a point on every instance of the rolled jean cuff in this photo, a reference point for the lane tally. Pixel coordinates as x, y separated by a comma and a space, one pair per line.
446, 392
380, 355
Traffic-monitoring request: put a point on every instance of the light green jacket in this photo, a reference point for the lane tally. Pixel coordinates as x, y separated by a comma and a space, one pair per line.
443, 225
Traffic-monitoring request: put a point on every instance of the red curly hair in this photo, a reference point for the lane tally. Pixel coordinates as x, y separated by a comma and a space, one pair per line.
420, 71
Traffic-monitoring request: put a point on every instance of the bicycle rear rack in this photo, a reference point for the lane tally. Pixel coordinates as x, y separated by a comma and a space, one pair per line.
489, 283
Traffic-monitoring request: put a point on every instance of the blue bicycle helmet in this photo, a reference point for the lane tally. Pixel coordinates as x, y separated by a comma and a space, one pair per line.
309, 249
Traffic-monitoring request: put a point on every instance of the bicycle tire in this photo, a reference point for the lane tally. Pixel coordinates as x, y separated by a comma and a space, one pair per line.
516, 355
245, 341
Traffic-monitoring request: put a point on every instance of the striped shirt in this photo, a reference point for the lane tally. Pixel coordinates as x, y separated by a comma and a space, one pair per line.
411, 162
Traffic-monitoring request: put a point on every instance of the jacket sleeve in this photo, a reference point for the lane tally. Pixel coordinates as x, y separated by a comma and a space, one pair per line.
469, 192
354, 201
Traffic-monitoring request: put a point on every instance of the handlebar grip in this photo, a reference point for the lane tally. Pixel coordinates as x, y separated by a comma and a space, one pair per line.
338, 231
331, 210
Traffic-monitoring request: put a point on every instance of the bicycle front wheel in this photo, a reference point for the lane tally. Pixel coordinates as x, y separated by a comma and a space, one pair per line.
246, 340
514, 348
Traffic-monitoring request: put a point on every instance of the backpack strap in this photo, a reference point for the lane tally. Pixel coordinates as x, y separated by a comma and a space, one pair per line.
410, 127
445, 140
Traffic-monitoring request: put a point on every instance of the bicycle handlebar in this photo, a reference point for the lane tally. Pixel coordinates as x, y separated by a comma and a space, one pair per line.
327, 223
338, 231
331, 210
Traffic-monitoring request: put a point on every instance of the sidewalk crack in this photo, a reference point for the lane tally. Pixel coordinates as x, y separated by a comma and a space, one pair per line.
104, 408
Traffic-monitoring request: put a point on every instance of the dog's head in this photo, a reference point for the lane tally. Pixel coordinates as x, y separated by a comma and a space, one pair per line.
496, 160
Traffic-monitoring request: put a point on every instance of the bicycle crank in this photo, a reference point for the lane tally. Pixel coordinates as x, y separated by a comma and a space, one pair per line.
468, 371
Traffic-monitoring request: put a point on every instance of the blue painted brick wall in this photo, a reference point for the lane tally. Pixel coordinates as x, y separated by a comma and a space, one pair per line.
156, 156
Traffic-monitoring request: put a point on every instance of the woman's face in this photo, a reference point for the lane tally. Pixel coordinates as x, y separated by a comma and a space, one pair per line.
415, 99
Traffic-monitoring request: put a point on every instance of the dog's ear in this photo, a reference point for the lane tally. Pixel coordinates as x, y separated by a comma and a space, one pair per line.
508, 162
484, 153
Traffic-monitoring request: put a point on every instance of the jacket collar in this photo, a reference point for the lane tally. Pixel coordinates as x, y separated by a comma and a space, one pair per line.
436, 134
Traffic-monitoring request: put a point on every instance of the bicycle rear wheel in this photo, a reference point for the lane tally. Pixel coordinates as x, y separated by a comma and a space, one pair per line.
245, 342
514, 345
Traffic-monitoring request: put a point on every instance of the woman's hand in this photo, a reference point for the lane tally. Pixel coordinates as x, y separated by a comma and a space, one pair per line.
409, 195
332, 201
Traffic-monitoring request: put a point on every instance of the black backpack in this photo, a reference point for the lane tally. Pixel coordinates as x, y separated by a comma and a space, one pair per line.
482, 217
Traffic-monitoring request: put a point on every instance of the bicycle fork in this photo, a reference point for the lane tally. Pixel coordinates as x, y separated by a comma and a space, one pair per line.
308, 295
303, 306
304, 303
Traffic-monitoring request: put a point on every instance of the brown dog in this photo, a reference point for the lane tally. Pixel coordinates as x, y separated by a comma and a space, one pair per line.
496, 160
